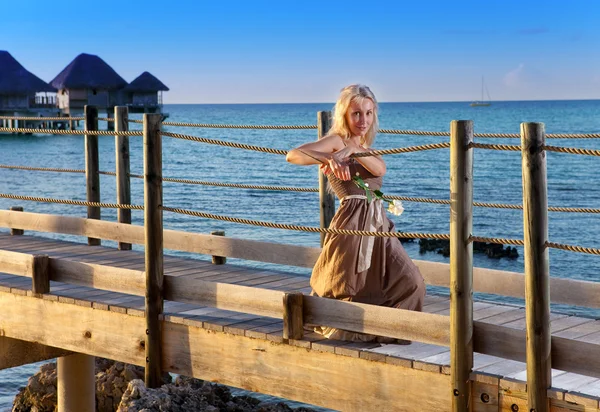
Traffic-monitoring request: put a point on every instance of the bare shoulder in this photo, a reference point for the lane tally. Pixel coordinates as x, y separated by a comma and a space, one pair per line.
335, 141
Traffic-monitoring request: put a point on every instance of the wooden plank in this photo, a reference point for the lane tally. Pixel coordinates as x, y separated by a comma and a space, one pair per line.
14, 263
377, 320
580, 330
15, 352
101, 277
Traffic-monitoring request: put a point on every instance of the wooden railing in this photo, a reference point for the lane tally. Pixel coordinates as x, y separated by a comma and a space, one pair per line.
458, 331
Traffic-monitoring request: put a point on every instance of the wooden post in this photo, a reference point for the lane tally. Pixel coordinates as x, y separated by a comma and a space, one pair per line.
153, 230
92, 167
461, 262
40, 281
218, 260
16, 232
76, 383
122, 162
537, 282
326, 198
293, 320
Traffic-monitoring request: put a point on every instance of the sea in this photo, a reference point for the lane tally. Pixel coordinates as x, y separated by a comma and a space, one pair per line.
572, 180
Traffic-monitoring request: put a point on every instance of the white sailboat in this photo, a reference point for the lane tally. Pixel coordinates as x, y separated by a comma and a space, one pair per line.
482, 102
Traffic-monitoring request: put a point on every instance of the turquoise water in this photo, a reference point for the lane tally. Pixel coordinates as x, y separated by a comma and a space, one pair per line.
497, 178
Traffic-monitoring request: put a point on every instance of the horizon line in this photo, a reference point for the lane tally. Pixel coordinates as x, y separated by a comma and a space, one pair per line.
380, 102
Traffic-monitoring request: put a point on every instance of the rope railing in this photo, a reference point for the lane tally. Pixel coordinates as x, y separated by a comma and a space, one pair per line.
71, 132
70, 202
571, 248
314, 127
303, 189
236, 145
42, 119
42, 169
306, 228
405, 235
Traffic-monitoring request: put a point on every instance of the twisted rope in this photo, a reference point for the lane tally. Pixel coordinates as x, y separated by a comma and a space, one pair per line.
42, 119
500, 241
397, 150
224, 143
70, 202
572, 150
512, 148
305, 228
571, 248
77, 132
42, 169
239, 126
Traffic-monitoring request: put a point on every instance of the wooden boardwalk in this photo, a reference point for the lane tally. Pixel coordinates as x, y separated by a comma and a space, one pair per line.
488, 370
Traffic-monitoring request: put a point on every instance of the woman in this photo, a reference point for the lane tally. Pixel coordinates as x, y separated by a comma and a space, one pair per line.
366, 269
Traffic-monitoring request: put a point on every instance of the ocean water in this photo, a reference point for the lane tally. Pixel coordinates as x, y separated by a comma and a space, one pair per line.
572, 179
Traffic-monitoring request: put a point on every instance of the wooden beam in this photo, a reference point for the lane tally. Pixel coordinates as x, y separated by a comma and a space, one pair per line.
378, 320
277, 369
122, 169
153, 239
293, 321
326, 197
92, 167
218, 260
15, 352
14, 231
537, 272
98, 276
461, 262
567, 291
40, 281
14, 263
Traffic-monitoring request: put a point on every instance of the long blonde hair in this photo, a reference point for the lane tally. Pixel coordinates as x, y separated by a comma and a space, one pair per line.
354, 92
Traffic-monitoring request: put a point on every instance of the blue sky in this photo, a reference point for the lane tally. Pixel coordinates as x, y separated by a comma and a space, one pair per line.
304, 51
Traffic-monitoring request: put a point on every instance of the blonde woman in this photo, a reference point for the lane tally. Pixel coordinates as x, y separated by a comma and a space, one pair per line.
366, 269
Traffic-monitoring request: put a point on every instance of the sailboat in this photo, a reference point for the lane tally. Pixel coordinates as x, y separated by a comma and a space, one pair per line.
482, 102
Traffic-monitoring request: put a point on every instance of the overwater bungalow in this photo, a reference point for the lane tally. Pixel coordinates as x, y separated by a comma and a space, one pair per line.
144, 94
22, 92
88, 80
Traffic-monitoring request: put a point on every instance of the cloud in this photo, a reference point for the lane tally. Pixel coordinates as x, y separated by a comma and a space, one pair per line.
533, 31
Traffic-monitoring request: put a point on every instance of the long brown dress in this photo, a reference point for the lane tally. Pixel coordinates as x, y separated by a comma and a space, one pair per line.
366, 269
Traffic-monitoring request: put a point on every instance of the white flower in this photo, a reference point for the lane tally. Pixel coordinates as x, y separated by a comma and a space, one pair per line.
395, 207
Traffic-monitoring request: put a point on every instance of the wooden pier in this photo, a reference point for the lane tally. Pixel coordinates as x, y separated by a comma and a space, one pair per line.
247, 327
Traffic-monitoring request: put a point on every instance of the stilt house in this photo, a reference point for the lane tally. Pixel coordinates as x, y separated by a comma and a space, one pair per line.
144, 94
88, 80
21, 90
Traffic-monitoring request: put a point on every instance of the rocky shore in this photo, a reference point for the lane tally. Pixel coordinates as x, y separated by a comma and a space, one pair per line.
120, 387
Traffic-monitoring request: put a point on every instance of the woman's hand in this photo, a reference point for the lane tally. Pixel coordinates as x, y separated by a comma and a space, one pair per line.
338, 167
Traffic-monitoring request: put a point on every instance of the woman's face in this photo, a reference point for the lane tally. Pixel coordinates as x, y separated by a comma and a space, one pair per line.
360, 116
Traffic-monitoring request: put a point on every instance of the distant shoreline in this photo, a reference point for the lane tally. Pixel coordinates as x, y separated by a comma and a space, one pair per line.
415, 102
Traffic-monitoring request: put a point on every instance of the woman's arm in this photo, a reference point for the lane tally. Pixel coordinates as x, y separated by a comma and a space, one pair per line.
323, 151
318, 152
374, 164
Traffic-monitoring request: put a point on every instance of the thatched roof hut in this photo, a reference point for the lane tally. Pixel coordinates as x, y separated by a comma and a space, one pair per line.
18, 86
88, 80
88, 71
144, 94
146, 83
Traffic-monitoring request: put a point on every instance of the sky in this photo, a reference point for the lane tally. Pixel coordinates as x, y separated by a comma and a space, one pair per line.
288, 51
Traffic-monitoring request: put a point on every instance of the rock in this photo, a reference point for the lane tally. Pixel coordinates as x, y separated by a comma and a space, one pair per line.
491, 250
112, 379
188, 394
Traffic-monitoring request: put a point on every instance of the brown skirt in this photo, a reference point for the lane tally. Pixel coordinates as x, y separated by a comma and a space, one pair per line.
392, 279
